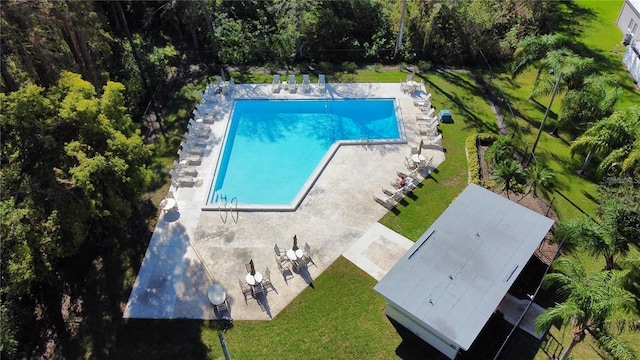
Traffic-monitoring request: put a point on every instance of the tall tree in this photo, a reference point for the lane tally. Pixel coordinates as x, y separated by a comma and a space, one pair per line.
595, 304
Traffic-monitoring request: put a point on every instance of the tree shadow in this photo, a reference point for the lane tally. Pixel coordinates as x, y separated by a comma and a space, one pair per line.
472, 120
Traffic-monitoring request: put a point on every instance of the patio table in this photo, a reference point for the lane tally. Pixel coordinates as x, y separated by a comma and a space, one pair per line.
216, 294
254, 279
295, 255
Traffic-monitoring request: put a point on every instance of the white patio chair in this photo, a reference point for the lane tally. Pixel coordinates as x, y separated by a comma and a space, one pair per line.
321, 83
409, 163
222, 307
275, 85
292, 86
306, 257
266, 280
246, 289
284, 265
258, 289
306, 87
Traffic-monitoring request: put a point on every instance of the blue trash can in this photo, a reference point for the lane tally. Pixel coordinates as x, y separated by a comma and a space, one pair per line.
445, 117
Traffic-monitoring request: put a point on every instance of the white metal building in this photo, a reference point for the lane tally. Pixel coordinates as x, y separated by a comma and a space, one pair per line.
629, 20
447, 286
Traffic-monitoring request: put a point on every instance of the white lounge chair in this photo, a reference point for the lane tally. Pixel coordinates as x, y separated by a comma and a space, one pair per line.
390, 190
415, 174
198, 132
306, 87
275, 85
204, 117
429, 112
191, 139
321, 83
199, 126
291, 85
188, 158
185, 169
178, 180
191, 149
425, 118
430, 141
387, 201
431, 129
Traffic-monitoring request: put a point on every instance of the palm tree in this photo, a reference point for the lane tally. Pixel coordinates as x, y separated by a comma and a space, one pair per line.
595, 304
614, 140
610, 238
507, 174
532, 49
574, 70
588, 104
540, 177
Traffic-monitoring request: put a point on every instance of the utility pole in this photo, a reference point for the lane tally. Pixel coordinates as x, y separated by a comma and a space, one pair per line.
223, 342
544, 119
401, 31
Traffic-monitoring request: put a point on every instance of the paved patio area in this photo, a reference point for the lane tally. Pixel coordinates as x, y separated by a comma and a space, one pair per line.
191, 249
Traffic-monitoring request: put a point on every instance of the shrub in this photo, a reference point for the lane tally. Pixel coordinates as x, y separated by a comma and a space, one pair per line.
471, 148
349, 67
501, 149
424, 66
487, 138
325, 67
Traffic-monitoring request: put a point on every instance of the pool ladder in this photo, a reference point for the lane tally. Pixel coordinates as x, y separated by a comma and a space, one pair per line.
228, 207
365, 142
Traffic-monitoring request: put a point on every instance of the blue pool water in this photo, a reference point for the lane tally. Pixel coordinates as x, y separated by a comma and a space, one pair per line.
273, 146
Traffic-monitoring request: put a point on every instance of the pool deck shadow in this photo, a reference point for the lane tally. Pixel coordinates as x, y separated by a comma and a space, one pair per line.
192, 249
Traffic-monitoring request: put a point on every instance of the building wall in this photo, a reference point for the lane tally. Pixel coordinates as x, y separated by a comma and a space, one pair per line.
446, 347
631, 61
629, 19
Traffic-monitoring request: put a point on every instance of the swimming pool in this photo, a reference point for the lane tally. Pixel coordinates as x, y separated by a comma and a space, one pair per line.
273, 147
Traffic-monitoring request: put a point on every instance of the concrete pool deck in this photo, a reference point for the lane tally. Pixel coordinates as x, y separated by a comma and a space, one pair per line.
191, 249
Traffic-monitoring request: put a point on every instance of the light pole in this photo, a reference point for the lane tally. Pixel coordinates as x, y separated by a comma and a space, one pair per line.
544, 119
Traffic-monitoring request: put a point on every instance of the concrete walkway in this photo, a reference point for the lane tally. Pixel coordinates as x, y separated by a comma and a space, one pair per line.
191, 249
